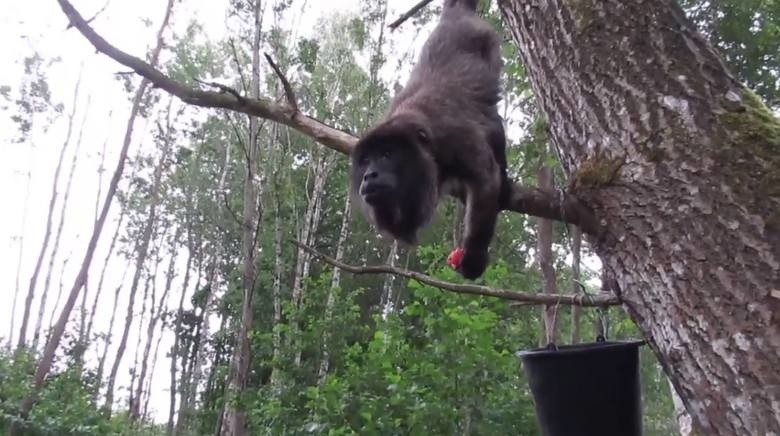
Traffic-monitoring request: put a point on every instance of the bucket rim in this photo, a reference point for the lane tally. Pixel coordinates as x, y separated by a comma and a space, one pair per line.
582, 348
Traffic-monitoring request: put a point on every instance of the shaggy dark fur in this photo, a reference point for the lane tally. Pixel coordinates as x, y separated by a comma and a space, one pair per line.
442, 135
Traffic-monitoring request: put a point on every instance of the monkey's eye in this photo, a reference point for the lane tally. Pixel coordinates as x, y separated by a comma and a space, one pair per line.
386, 153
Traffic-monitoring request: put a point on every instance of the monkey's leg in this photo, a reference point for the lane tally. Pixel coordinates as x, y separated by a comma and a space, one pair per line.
481, 214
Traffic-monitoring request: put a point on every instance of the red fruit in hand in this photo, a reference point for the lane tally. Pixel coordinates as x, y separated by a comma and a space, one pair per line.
455, 258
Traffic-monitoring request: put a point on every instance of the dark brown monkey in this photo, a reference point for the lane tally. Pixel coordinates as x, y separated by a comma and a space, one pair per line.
442, 135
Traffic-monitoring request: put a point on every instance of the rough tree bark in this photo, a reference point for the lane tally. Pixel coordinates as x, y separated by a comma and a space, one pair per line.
684, 421
680, 163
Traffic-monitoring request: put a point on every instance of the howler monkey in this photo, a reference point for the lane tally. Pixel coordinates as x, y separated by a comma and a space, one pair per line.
442, 135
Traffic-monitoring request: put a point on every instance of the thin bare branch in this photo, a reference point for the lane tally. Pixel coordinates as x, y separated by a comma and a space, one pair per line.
409, 14
240, 70
288, 90
596, 300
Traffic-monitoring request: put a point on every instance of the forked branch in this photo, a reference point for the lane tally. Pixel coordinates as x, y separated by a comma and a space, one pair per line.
582, 300
526, 200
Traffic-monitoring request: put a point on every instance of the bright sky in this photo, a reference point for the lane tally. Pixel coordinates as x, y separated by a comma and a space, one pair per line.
30, 26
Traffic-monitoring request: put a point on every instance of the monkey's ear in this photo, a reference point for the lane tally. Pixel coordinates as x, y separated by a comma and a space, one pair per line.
422, 136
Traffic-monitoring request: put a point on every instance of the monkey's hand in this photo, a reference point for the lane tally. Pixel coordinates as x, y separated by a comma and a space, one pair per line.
455, 258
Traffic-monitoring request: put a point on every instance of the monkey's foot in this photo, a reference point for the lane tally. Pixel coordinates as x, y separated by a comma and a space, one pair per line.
470, 264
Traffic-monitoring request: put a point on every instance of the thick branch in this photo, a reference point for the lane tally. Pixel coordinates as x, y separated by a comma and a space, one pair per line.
525, 200
583, 300
263, 108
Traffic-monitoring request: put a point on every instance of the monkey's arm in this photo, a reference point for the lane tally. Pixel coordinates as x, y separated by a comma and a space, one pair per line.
481, 213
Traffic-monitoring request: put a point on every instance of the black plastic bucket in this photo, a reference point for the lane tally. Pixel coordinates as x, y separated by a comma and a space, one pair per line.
586, 389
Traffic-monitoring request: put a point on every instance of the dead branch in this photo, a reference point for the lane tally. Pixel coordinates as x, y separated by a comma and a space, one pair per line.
409, 14
526, 200
238, 66
288, 90
593, 300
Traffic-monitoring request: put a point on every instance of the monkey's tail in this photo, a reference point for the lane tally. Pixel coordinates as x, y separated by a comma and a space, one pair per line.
468, 4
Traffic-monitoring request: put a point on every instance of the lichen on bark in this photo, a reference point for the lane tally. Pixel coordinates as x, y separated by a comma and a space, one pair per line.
753, 135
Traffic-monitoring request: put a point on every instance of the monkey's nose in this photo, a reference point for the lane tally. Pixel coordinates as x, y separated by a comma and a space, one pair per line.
370, 175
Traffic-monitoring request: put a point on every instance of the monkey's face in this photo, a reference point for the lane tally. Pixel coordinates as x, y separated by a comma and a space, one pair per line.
381, 167
396, 179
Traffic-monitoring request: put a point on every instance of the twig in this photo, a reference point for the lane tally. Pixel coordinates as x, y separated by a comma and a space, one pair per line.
288, 90
409, 14
596, 300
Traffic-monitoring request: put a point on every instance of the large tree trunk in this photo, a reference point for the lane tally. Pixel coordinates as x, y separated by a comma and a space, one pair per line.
680, 163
